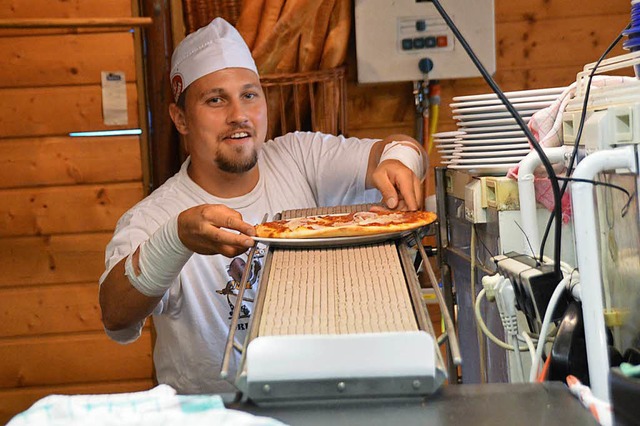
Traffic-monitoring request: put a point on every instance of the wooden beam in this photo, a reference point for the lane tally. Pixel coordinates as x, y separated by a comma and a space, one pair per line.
56, 111
65, 209
52, 259
164, 144
73, 359
29, 162
65, 59
28, 23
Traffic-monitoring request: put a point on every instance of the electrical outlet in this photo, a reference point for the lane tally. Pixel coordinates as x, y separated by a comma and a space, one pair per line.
533, 284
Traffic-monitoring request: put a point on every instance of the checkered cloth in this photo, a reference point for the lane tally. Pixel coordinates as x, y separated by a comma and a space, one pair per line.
160, 406
546, 126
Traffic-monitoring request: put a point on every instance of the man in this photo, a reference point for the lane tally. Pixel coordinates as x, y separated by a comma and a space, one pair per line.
180, 252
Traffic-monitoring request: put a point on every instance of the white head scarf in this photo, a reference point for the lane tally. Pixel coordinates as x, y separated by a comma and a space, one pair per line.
212, 48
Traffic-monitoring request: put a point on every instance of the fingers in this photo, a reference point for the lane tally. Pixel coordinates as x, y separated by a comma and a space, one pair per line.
387, 189
399, 186
406, 186
234, 221
418, 188
209, 229
379, 209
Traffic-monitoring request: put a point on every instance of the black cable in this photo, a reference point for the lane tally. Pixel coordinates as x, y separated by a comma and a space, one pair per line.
596, 183
526, 237
475, 230
517, 256
536, 146
625, 208
574, 153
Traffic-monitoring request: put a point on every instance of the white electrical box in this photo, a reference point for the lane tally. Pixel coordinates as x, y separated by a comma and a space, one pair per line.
398, 40
474, 210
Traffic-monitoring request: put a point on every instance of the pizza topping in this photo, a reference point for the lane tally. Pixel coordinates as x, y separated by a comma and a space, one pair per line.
372, 217
339, 225
293, 224
364, 215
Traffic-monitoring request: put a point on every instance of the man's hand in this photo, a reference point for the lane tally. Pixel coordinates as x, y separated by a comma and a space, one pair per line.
400, 187
200, 230
395, 173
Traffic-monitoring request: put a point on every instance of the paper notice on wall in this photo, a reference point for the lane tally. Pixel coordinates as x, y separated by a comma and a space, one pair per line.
114, 98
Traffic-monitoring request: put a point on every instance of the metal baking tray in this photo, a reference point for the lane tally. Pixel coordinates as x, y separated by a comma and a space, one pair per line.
332, 242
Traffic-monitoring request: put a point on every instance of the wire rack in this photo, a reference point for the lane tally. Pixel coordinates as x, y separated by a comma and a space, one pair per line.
313, 100
198, 13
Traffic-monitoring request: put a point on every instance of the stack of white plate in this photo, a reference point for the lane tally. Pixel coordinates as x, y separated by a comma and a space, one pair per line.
448, 145
492, 142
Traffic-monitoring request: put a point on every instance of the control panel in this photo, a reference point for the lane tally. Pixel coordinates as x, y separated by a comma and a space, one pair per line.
423, 33
403, 40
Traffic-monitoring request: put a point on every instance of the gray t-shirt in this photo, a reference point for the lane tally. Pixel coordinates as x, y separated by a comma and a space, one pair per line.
298, 170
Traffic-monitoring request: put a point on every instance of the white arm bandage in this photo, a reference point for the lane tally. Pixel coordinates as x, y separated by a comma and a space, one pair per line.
407, 155
161, 258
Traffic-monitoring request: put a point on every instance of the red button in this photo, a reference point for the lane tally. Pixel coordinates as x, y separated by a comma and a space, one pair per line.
442, 41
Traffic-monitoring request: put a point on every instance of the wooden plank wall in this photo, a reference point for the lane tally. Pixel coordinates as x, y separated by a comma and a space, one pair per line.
60, 198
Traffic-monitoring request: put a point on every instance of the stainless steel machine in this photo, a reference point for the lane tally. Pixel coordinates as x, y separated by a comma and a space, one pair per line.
340, 335
336, 318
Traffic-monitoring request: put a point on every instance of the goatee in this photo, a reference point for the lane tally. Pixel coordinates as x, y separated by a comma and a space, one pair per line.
239, 164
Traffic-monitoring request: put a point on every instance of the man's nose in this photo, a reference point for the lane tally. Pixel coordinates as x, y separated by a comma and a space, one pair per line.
237, 113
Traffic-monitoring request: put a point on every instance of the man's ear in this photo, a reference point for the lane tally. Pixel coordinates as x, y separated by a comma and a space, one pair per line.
178, 118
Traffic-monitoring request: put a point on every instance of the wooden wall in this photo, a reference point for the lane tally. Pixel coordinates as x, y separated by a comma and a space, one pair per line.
60, 197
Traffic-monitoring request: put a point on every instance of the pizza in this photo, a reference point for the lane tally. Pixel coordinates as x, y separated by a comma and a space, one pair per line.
345, 225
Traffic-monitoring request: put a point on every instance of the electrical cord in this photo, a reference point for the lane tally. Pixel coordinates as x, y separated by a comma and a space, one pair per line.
529, 341
534, 337
504, 345
475, 230
485, 329
506, 301
565, 267
574, 153
516, 256
517, 356
526, 237
625, 208
534, 142
481, 343
551, 306
545, 371
530, 345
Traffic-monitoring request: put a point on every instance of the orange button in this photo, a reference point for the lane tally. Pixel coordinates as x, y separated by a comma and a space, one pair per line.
442, 41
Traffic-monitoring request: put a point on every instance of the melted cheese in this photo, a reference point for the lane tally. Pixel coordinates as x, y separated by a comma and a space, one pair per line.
366, 218
294, 224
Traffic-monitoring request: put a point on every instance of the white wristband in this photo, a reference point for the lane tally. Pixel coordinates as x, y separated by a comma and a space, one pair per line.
403, 152
160, 260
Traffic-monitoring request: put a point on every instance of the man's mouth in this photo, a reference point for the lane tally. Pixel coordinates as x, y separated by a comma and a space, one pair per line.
240, 135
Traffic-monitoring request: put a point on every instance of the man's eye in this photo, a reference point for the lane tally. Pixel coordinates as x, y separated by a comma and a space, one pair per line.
215, 100
250, 95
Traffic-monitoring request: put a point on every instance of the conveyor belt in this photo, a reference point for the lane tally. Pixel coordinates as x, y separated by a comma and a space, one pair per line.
290, 214
337, 291
321, 311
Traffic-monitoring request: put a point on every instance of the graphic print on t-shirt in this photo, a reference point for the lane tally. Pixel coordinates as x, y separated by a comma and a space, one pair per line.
235, 270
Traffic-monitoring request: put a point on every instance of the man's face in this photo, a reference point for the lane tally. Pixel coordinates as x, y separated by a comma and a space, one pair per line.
224, 121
